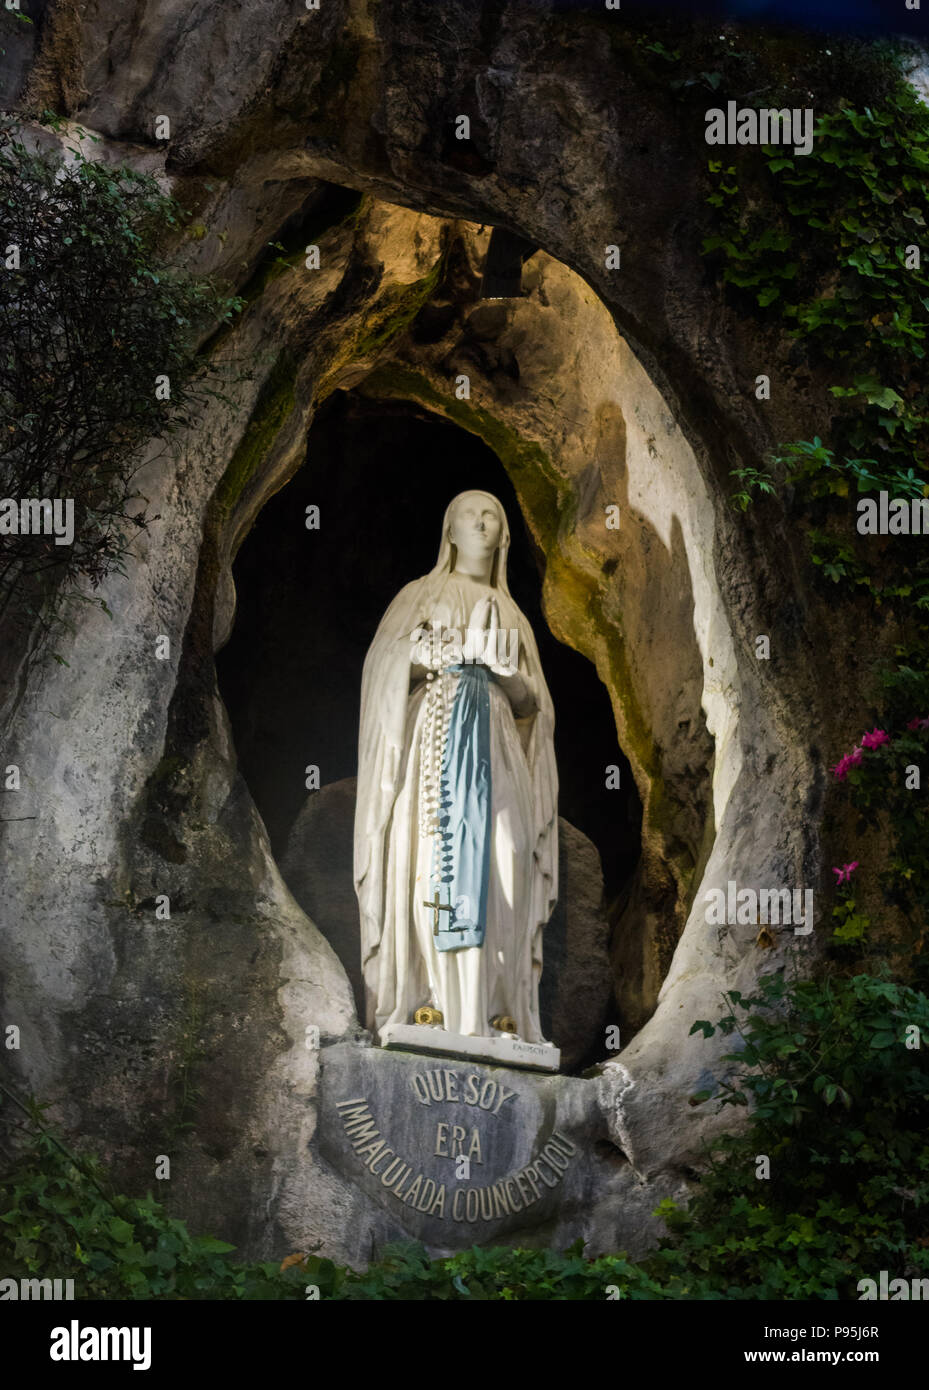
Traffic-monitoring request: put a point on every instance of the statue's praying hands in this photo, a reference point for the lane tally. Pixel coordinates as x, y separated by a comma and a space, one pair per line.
498, 650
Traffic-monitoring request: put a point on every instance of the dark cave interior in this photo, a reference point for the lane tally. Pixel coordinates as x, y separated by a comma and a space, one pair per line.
308, 603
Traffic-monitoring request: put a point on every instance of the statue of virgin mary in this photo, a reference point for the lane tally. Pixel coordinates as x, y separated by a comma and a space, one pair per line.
456, 834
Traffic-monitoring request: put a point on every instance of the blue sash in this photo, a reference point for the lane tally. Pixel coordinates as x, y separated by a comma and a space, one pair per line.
463, 870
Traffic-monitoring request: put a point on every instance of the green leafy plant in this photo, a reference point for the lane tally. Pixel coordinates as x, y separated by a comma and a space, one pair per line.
92, 321
814, 467
850, 924
60, 1219
828, 242
829, 245
838, 1096
753, 480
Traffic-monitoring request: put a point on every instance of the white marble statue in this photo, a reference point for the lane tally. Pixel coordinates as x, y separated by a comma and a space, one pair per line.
456, 832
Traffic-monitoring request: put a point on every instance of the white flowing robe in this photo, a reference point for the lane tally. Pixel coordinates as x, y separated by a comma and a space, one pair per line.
393, 861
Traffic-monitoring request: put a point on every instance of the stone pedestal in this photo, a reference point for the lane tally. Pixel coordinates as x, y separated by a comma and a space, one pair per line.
503, 1050
455, 1152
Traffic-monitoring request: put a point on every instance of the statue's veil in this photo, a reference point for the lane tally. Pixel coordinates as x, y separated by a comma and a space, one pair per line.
382, 755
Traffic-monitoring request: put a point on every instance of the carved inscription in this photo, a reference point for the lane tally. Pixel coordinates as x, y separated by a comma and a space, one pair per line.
472, 1141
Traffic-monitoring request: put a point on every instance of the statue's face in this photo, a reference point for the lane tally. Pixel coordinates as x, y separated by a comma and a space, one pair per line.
475, 526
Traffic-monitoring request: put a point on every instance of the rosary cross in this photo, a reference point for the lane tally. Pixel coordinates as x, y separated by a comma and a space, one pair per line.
437, 907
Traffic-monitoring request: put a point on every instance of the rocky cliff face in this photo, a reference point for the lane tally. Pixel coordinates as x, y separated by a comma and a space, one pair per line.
629, 387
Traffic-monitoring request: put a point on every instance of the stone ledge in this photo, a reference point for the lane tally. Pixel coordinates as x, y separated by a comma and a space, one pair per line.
508, 1052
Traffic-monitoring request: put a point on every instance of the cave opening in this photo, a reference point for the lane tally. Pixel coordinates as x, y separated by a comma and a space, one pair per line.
381, 474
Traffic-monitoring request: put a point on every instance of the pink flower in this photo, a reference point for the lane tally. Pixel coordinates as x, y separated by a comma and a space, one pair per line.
875, 738
845, 873
918, 724
840, 771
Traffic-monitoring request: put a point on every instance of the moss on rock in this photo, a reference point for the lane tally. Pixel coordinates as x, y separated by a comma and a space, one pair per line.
275, 402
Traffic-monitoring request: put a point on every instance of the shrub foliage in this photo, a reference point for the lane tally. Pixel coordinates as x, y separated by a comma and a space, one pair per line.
93, 325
